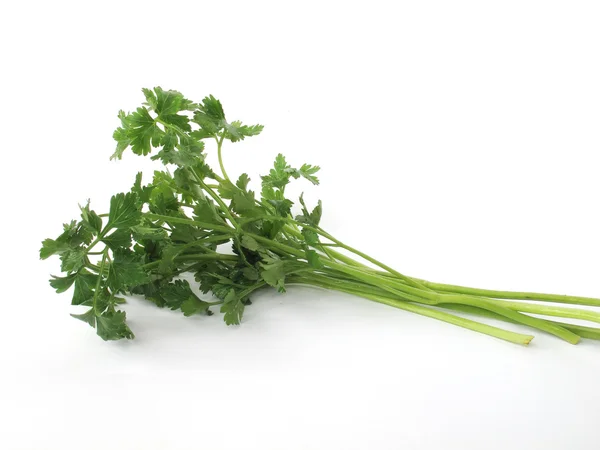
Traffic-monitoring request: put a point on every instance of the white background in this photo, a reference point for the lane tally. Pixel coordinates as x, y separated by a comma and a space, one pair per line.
458, 142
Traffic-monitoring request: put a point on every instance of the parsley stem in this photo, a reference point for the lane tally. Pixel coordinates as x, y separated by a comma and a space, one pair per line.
323, 233
580, 330
556, 311
196, 257
575, 300
434, 298
219, 151
509, 295
408, 280
196, 223
217, 199
100, 272
500, 333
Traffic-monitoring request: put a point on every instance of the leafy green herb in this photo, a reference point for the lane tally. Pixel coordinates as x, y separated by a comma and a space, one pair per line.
178, 223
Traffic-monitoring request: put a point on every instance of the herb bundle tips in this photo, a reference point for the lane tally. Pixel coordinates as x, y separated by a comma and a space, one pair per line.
180, 221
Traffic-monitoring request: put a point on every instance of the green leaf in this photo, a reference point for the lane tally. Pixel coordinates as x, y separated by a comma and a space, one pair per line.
73, 236
283, 208
244, 204
52, 247
210, 116
313, 259
279, 176
151, 291
88, 317
111, 326
91, 219
73, 260
193, 305
203, 170
310, 236
177, 121
201, 134
124, 211
142, 193
212, 108
176, 293
209, 127
186, 234
62, 284
171, 102
188, 154
163, 199
227, 189
250, 243
139, 131
250, 273
205, 211
143, 233
125, 271
317, 212
118, 239
243, 181
123, 140
167, 262
307, 171
268, 193
274, 275
151, 100
169, 141
312, 218
233, 307
235, 131
85, 283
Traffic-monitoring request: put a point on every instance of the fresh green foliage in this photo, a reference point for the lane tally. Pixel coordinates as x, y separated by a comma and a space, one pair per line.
180, 222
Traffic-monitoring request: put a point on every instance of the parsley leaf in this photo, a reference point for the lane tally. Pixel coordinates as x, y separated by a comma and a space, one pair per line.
124, 211
235, 131
111, 326
233, 308
91, 219
85, 283
193, 305
176, 293
139, 130
125, 271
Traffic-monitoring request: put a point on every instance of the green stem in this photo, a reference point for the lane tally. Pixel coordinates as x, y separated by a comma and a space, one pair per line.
366, 257
198, 257
408, 280
556, 311
580, 330
98, 239
570, 299
100, 272
251, 289
533, 322
217, 199
219, 152
509, 336
433, 298
196, 223
512, 295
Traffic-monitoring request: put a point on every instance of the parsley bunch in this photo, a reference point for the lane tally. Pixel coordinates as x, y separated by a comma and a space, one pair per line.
185, 219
